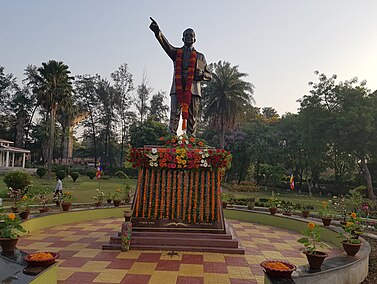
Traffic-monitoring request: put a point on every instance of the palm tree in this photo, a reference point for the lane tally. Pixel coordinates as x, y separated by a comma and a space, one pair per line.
226, 98
53, 86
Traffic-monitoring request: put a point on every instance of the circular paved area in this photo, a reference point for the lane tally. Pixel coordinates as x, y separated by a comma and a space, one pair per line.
83, 261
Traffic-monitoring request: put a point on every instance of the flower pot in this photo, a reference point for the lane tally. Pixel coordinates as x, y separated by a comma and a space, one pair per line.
43, 209
8, 244
98, 204
108, 200
273, 210
24, 215
326, 221
66, 206
117, 203
224, 204
351, 249
315, 260
305, 214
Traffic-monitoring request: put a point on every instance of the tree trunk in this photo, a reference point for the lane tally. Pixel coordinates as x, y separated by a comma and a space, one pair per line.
51, 140
222, 132
368, 178
20, 122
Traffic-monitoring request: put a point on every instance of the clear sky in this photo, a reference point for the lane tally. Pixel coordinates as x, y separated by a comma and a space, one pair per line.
279, 43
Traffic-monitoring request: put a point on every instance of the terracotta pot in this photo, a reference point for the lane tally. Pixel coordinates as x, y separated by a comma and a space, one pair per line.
43, 209
315, 260
351, 249
66, 206
108, 200
24, 215
305, 214
326, 221
8, 244
117, 203
224, 204
273, 210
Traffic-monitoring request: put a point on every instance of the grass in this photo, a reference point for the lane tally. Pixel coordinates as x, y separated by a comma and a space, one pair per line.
82, 190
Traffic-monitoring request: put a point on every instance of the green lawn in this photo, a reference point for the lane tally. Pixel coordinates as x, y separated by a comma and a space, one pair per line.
83, 189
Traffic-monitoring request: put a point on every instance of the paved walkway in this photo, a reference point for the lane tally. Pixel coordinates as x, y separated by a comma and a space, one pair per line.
82, 260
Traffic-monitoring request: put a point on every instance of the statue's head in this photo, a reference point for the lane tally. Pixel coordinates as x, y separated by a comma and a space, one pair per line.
189, 37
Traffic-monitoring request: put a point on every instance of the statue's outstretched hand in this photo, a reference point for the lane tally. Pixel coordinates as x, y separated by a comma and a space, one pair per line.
154, 26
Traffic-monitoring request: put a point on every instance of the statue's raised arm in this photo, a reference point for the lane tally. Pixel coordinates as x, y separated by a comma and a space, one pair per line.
190, 68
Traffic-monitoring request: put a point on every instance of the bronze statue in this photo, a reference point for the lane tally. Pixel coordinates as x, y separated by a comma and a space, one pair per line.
190, 68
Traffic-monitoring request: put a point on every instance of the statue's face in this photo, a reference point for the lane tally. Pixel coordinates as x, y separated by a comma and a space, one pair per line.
189, 37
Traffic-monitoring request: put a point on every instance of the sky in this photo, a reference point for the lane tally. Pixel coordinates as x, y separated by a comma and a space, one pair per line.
278, 43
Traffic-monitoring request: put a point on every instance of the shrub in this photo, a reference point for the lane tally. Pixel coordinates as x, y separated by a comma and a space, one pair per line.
75, 176
41, 171
91, 174
60, 174
17, 180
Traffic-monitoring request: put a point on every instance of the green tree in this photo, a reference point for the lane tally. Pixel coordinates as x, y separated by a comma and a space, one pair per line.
226, 98
53, 85
158, 110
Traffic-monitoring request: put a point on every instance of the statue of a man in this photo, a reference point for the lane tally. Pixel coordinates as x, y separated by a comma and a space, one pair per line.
190, 68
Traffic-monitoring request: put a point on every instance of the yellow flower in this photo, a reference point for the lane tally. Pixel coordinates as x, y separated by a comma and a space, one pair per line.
11, 216
118, 190
67, 193
311, 226
324, 204
349, 224
353, 215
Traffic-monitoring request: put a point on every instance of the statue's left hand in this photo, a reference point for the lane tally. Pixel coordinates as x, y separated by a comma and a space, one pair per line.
198, 75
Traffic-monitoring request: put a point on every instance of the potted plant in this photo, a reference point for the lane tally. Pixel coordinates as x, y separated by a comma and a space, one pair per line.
66, 199
15, 195
224, 200
352, 230
311, 241
23, 207
325, 213
10, 230
117, 197
305, 211
287, 208
273, 204
108, 197
42, 197
99, 197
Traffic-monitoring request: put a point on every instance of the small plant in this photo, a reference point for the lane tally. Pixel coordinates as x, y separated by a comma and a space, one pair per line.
42, 198
10, 225
75, 176
91, 174
352, 230
117, 195
325, 211
273, 202
288, 207
61, 174
15, 195
18, 180
306, 208
99, 196
66, 197
312, 239
23, 203
41, 171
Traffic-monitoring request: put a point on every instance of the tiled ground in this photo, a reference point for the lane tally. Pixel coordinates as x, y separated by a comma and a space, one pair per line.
82, 260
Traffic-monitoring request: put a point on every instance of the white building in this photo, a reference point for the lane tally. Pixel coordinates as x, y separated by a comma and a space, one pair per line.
12, 156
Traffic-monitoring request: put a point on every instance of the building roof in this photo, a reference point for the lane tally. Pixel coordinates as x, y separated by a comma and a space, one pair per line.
4, 148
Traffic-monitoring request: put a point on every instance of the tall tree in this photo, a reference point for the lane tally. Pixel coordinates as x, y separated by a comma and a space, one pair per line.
158, 109
53, 85
141, 103
226, 98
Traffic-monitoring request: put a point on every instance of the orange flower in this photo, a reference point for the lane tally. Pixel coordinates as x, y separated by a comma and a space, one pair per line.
353, 215
200, 143
161, 138
12, 216
192, 139
311, 226
324, 204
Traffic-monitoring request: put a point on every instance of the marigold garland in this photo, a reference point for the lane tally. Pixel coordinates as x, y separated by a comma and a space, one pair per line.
213, 193
151, 191
184, 205
146, 181
157, 194
173, 195
218, 194
191, 187
138, 198
208, 193
196, 195
184, 95
179, 194
163, 173
201, 215
168, 189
